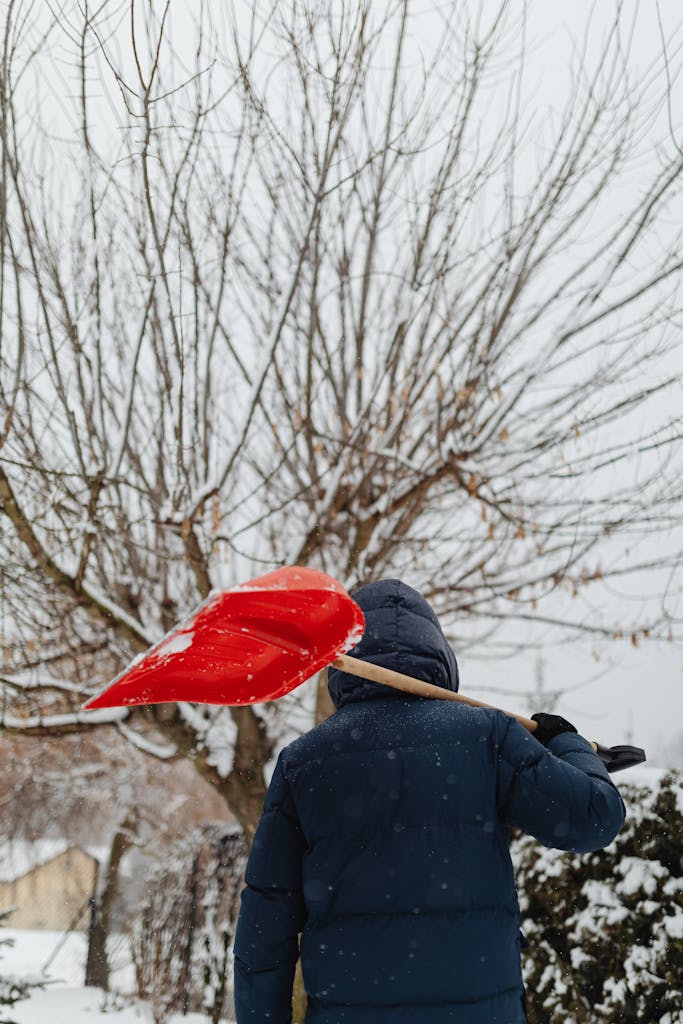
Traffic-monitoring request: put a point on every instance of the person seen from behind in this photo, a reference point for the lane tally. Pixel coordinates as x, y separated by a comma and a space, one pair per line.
384, 843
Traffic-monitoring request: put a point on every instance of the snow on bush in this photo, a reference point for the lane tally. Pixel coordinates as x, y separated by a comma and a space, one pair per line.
605, 930
182, 934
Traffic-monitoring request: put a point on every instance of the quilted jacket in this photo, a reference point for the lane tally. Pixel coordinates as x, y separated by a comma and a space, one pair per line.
384, 844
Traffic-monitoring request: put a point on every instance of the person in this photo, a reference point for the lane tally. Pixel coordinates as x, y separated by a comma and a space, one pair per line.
384, 843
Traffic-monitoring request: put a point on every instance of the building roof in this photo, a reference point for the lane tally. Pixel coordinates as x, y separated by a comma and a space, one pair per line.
18, 857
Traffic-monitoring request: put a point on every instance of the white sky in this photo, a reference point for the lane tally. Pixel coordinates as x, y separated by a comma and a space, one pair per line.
633, 694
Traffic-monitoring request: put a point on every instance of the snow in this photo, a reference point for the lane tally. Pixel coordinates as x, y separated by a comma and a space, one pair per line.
19, 856
59, 960
86, 1006
643, 775
639, 874
354, 637
175, 645
34, 680
220, 739
673, 926
600, 894
162, 751
117, 613
98, 716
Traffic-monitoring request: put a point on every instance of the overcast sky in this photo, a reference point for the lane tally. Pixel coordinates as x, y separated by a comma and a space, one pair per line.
631, 694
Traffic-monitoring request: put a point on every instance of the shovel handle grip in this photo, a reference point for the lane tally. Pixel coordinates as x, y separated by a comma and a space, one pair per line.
387, 676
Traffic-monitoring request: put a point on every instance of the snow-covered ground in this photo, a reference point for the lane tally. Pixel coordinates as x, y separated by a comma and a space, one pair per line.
58, 960
84, 1006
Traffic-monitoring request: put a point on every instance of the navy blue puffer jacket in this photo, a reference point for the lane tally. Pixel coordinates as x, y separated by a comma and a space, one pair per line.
384, 842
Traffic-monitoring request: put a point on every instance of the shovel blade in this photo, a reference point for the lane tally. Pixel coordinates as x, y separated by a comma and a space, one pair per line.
252, 643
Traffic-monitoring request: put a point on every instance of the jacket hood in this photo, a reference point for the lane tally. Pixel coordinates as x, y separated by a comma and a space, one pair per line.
402, 633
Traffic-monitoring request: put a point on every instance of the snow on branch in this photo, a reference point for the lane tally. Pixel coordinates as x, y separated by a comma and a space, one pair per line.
33, 681
70, 721
163, 752
117, 613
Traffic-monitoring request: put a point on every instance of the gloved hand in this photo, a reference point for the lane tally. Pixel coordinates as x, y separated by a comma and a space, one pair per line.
550, 726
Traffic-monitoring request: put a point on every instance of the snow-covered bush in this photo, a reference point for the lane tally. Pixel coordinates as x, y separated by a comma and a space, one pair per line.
182, 934
605, 930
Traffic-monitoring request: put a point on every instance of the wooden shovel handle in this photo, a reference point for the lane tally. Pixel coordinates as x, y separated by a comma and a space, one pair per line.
387, 676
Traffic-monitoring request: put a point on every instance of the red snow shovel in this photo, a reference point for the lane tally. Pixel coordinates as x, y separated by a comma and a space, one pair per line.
253, 643
260, 640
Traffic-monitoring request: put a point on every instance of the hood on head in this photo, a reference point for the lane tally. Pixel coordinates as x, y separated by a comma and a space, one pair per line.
402, 633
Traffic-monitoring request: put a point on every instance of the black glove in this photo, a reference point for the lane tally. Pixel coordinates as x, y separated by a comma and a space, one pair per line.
550, 726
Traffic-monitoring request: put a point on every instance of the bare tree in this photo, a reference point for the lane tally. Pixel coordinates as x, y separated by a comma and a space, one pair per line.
319, 284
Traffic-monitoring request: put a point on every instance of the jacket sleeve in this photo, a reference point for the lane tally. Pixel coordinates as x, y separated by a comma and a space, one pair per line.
562, 795
272, 912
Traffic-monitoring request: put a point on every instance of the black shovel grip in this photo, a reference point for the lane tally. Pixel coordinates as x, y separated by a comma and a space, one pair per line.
615, 759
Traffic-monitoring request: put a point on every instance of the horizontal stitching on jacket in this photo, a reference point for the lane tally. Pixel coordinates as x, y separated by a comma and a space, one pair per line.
529, 762
278, 809
272, 890
533, 762
469, 826
329, 755
397, 1006
256, 970
336, 915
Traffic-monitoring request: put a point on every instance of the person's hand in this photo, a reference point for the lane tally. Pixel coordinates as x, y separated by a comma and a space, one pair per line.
550, 726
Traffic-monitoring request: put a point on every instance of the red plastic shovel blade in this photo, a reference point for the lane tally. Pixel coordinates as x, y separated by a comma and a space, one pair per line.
253, 643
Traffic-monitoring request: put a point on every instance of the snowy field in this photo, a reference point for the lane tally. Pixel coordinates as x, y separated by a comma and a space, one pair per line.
84, 1006
59, 960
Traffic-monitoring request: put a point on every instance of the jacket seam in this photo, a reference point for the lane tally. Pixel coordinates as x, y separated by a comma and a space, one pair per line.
511, 911
442, 1002
470, 826
338, 754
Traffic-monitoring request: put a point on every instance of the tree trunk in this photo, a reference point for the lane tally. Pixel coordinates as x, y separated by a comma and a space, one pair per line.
191, 927
323, 703
97, 966
97, 962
